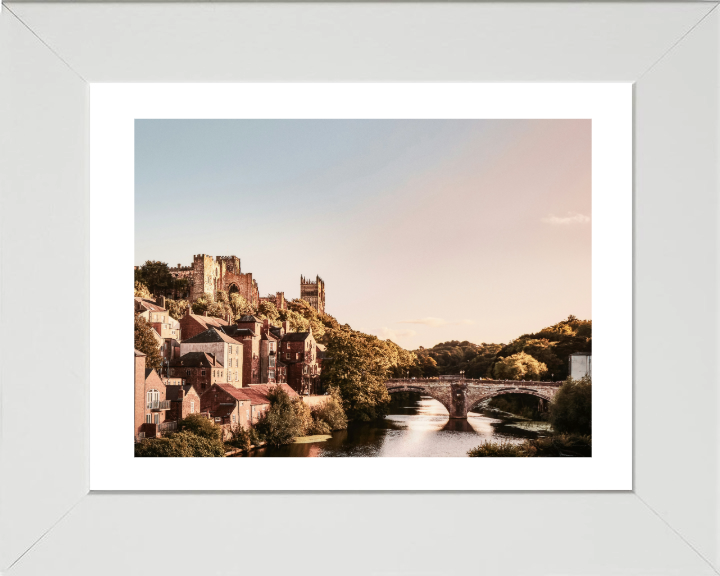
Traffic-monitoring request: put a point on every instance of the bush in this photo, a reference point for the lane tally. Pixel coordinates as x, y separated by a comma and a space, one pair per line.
571, 410
331, 412
551, 446
284, 419
200, 426
318, 427
180, 445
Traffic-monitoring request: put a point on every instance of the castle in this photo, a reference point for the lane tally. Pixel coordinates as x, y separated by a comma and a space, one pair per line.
313, 292
207, 275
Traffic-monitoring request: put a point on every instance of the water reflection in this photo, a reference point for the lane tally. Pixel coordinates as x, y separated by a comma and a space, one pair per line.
418, 427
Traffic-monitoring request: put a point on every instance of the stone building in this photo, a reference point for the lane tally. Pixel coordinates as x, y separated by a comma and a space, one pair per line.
298, 350
223, 348
198, 369
313, 292
208, 275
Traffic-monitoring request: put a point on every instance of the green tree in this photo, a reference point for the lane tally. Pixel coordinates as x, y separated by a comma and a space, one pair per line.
520, 366
283, 420
156, 276
176, 308
297, 322
200, 426
358, 365
141, 291
146, 343
331, 412
571, 409
239, 305
268, 310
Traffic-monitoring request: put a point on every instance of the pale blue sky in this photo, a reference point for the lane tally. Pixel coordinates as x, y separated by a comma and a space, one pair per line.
423, 231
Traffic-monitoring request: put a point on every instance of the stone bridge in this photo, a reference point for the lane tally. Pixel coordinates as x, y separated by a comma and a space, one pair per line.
460, 396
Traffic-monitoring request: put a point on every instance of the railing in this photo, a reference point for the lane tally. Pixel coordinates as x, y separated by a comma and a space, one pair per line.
167, 426
159, 405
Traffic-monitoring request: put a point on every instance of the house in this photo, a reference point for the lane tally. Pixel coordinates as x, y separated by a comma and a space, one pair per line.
151, 404
227, 406
259, 399
167, 329
199, 369
193, 324
226, 350
299, 351
184, 400
580, 365
268, 356
280, 372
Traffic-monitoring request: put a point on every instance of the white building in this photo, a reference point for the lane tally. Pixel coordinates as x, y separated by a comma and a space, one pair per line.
580, 365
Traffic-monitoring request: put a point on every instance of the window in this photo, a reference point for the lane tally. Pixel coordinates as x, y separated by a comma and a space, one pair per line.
203, 372
233, 417
153, 396
192, 406
157, 418
287, 355
288, 345
297, 355
272, 362
188, 372
148, 418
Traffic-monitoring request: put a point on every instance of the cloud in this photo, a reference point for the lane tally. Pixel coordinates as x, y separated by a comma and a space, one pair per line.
571, 218
432, 321
390, 334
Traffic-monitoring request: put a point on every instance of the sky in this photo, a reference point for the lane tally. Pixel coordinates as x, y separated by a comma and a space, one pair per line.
424, 231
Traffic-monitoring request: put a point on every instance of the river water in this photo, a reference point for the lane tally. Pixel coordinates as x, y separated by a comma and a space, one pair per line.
415, 427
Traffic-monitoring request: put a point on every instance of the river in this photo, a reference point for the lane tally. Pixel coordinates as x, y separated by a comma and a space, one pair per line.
418, 426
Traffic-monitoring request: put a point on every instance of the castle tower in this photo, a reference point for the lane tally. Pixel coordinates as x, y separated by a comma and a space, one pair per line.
205, 275
313, 292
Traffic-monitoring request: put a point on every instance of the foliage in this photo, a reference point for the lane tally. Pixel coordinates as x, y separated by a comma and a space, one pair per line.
146, 343
551, 446
268, 310
571, 409
520, 366
331, 412
180, 445
200, 426
283, 421
239, 306
358, 365
318, 427
176, 308
522, 405
141, 291
160, 281
297, 323
218, 306
244, 438
475, 360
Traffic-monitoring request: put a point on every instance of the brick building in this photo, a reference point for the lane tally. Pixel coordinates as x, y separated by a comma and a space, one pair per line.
207, 275
313, 292
228, 351
151, 404
299, 351
184, 400
193, 324
198, 369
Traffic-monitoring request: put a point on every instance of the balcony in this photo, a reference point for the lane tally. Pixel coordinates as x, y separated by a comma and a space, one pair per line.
167, 427
158, 405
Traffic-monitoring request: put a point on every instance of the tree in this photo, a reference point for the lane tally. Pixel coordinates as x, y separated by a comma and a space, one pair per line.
358, 365
147, 343
156, 276
331, 411
268, 310
283, 420
571, 409
141, 291
200, 426
297, 322
239, 305
177, 308
520, 366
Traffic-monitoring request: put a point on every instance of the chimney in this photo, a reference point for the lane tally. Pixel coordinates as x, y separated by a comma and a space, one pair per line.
205, 312
187, 310
286, 326
266, 326
161, 301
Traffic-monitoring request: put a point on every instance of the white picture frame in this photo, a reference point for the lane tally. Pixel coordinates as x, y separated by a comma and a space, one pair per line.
49, 53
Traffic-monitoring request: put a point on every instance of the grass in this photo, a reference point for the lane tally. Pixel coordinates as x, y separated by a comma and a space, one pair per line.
558, 445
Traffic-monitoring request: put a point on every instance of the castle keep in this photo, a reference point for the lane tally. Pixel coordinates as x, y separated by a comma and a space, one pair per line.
208, 275
313, 292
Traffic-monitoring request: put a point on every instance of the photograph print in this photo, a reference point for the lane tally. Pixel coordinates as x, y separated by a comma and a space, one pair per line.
363, 288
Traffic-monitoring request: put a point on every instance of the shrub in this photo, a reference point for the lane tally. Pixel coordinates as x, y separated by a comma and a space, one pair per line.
200, 426
551, 446
180, 445
571, 410
496, 449
331, 412
284, 419
318, 427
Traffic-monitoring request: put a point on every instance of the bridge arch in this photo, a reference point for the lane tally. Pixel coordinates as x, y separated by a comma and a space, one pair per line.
474, 401
442, 398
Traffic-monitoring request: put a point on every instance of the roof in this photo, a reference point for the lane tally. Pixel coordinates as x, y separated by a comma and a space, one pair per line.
320, 346
207, 321
250, 318
277, 331
195, 360
281, 364
237, 393
138, 353
235, 331
258, 393
149, 304
211, 335
296, 336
